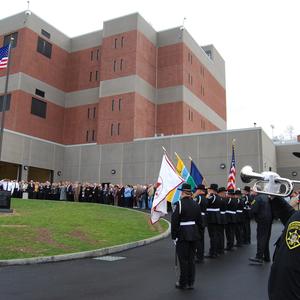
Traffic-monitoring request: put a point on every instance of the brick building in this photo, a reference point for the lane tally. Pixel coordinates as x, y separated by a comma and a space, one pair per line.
121, 83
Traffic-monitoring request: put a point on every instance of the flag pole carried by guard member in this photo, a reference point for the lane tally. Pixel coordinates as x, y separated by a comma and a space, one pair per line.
5, 53
232, 172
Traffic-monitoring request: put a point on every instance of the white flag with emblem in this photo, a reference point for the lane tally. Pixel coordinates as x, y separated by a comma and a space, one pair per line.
167, 181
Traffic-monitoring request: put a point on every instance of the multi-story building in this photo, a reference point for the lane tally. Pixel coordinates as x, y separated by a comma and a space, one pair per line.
115, 85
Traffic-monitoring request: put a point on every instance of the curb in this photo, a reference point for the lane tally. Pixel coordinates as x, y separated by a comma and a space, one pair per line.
86, 254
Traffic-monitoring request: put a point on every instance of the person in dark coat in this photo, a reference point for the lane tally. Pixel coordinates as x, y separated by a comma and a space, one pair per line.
231, 207
261, 210
247, 199
213, 219
285, 270
239, 218
200, 198
222, 192
185, 225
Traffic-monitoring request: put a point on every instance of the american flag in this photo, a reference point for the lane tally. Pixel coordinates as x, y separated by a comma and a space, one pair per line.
4, 57
231, 177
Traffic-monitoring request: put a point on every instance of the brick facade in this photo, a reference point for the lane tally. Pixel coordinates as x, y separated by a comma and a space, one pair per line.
116, 89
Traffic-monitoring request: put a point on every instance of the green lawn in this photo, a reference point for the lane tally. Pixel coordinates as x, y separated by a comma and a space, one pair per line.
44, 228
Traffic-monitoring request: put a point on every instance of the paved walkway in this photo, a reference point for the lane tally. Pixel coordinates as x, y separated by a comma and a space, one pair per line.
145, 273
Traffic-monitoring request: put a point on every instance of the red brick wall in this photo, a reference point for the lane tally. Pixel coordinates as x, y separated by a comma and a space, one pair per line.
144, 123
20, 119
107, 117
79, 67
78, 120
110, 54
170, 118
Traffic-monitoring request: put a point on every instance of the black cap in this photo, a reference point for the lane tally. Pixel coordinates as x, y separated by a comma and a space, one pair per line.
213, 186
221, 189
247, 188
185, 188
201, 187
230, 192
238, 192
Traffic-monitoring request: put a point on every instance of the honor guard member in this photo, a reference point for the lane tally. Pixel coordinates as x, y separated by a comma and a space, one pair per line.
213, 218
222, 192
261, 210
239, 218
200, 198
185, 224
231, 219
284, 275
248, 198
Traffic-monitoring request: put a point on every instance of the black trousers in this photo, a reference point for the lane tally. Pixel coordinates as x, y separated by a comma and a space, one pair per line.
230, 231
247, 231
263, 234
220, 238
186, 255
239, 233
213, 236
200, 245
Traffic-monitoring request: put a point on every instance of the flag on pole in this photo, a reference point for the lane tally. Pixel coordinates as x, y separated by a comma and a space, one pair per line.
181, 170
232, 172
195, 173
4, 57
167, 181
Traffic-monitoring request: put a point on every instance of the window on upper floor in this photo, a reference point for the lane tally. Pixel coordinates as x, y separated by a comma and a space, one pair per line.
46, 34
7, 106
121, 64
87, 136
40, 93
7, 38
92, 55
93, 135
116, 43
112, 104
112, 129
122, 41
119, 128
38, 108
98, 54
120, 103
44, 47
94, 112
91, 76
115, 65
97, 75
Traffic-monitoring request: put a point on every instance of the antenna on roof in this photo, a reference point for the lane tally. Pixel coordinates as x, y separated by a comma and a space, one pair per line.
182, 28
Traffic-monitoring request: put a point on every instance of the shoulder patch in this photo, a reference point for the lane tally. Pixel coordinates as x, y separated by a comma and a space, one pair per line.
252, 203
292, 237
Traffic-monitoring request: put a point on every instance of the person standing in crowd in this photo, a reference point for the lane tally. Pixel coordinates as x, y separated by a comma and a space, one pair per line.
30, 189
47, 190
261, 210
185, 230
213, 219
295, 200
231, 207
247, 199
200, 198
69, 191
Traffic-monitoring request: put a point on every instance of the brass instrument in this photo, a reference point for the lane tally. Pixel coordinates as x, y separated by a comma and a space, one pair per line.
269, 183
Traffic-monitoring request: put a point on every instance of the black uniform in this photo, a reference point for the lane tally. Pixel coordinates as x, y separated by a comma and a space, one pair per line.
239, 222
261, 210
285, 272
185, 225
202, 202
231, 207
213, 222
247, 199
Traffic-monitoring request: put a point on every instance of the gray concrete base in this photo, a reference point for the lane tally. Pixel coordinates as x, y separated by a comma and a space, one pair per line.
6, 210
85, 254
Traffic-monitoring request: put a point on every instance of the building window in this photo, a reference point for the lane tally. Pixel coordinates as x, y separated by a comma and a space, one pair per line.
38, 108
98, 52
121, 64
192, 117
87, 136
189, 115
92, 55
45, 33
115, 64
120, 103
7, 106
44, 47
189, 56
93, 135
97, 75
88, 113
40, 93
91, 76
8, 37
122, 42
116, 41
112, 104
111, 129
94, 112
118, 128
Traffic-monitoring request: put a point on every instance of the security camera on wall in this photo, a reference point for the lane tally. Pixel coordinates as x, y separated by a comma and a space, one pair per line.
27, 13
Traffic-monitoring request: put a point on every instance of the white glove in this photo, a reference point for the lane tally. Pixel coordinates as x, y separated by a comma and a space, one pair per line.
175, 241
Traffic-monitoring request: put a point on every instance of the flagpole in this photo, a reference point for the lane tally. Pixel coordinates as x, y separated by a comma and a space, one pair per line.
5, 98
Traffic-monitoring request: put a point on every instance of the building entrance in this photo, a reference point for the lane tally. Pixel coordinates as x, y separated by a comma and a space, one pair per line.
40, 175
10, 171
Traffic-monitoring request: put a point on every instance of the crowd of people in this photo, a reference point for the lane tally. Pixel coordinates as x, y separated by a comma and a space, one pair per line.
105, 193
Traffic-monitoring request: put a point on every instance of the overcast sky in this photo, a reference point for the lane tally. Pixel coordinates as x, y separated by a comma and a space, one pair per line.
258, 39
